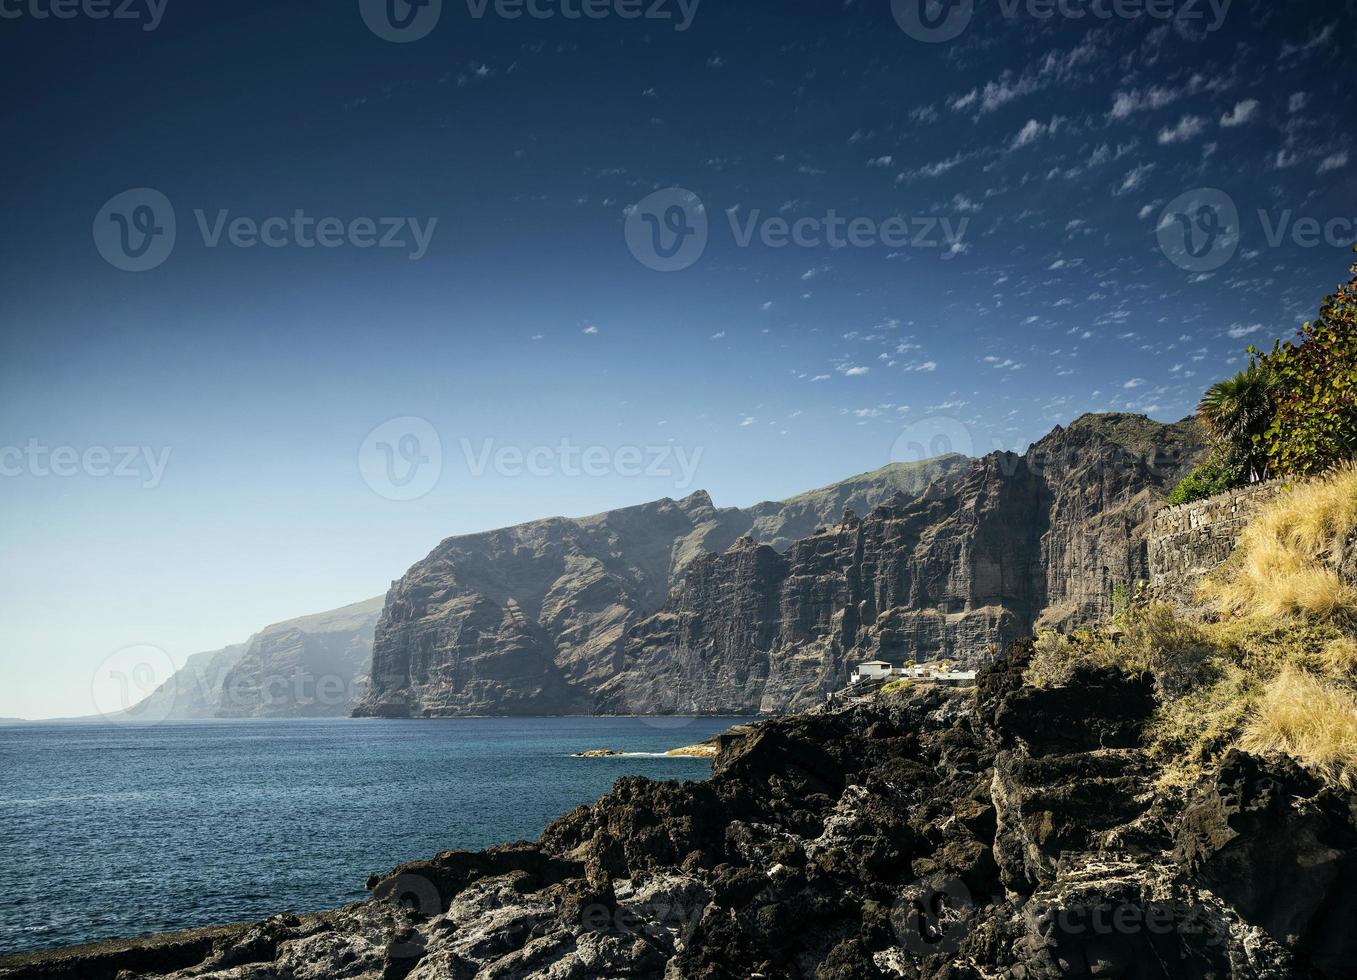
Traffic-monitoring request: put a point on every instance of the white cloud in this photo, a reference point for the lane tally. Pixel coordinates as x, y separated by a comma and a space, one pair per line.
1242, 113
1285, 159
1133, 180
1188, 128
1127, 104
1298, 101
855, 372
1321, 39
1336, 161
1134, 383
932, 169
1035, 130
591, 329
718, 335
1240, 330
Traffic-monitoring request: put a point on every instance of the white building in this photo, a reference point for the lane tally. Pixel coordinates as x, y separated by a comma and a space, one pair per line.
872, 670
876, 670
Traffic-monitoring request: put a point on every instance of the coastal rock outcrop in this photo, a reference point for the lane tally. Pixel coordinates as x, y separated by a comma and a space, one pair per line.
939, 833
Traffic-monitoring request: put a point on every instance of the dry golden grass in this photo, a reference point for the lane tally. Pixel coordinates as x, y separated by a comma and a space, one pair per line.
1284, 565
1309, 719
1340, 656
1276, 671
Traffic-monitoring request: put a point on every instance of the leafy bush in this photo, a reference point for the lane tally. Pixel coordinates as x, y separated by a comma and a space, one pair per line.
1236, 414
1153, 641
895, 687
1216, 475
1314, 385
1056, 656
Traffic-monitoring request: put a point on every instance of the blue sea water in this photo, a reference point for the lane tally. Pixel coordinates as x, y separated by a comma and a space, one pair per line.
109, 831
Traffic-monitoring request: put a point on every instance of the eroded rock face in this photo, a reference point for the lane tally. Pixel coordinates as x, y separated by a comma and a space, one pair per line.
681, 607
1004, 832
534, 619
313, 666
958, 573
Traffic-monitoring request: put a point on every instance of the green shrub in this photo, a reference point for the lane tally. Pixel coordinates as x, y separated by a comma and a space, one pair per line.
1314, 386
895, 687
1216, 475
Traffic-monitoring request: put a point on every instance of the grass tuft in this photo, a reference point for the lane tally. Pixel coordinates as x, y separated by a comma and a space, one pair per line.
1309, 719
1286, 561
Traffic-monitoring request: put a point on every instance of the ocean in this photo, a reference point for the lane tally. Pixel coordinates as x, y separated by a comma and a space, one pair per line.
111, 831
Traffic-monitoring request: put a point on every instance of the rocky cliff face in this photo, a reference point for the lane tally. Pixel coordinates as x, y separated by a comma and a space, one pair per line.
534, 619
1006, 832
681, 607
957, 573
311, 667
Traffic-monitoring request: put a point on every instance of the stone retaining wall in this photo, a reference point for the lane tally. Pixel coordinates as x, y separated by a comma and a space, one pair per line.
1191, 540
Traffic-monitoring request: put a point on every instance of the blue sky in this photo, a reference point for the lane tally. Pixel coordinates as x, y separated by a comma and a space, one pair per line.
1047, 149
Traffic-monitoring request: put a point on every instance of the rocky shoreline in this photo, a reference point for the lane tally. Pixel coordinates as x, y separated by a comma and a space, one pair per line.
1001, 832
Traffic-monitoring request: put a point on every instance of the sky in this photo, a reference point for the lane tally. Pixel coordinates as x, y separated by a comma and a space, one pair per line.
291, 292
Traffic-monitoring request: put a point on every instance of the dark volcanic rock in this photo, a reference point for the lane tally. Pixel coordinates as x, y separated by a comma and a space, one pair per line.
1279, 846
940, 834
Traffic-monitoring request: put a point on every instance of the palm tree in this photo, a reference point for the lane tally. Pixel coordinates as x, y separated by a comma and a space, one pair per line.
1237, 410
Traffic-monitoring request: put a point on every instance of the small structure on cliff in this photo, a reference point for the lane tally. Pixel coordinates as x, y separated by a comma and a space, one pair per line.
880, 670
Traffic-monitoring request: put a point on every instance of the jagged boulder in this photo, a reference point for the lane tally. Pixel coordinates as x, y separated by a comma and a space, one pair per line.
1281, 848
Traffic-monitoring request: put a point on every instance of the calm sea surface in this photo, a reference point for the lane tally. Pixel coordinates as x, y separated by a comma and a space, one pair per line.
110, 831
